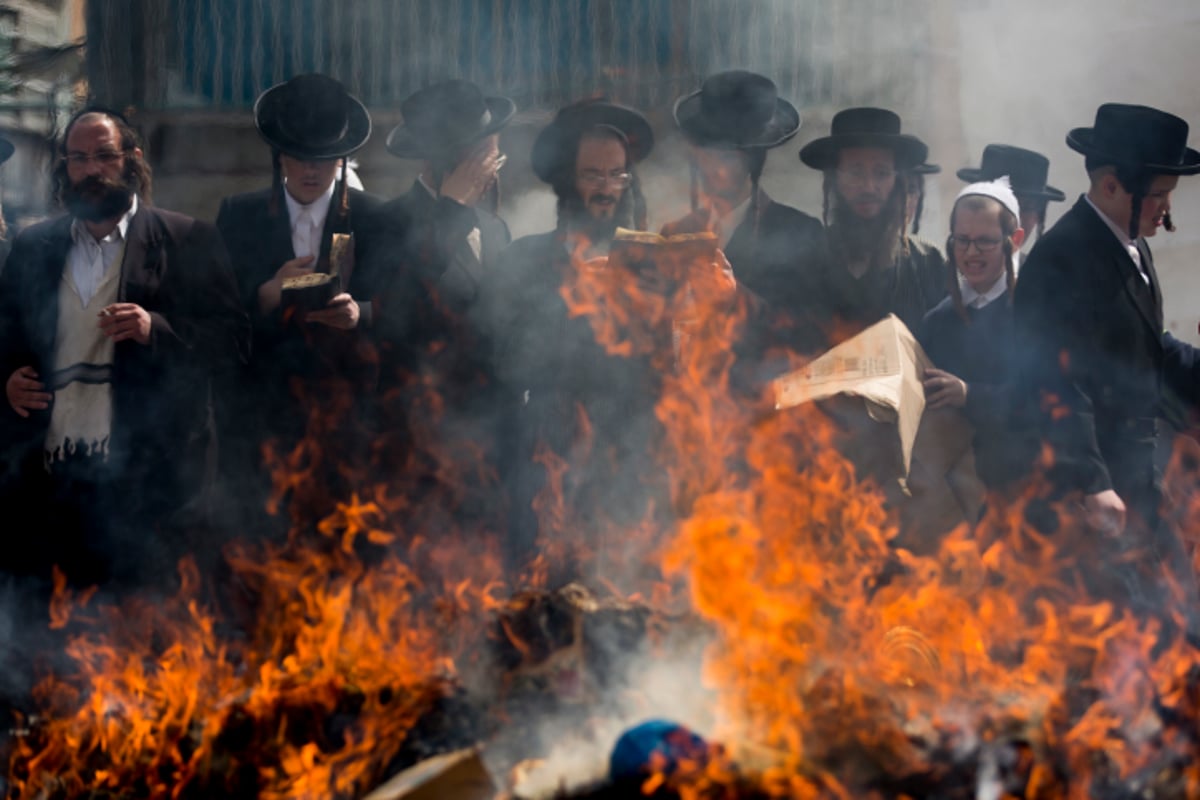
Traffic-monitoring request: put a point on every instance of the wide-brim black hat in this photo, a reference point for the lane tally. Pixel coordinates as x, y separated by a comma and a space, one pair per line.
312, 117
736, 110
1137, 137
445, 118
1027, 171
555, 148
926, 169
865, 127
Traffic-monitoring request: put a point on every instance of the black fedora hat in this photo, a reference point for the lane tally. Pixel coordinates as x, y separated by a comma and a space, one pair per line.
865, 127
446, 117
1027, 171
1138, 137
555, 147
735, 110
926, 169
312, 117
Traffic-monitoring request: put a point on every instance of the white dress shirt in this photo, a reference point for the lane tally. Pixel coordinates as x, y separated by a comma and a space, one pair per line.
89, 258
308, 222
974, 299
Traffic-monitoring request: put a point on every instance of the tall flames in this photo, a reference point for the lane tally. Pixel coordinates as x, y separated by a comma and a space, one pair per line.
992, 658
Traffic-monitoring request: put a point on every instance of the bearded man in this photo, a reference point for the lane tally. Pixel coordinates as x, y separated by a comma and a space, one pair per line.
591, 408
115, 319
875, 268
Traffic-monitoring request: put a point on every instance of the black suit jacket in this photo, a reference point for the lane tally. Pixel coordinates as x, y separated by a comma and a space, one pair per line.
430, 284
779, 258
427, 270
1094, 360
177, 269
259, 243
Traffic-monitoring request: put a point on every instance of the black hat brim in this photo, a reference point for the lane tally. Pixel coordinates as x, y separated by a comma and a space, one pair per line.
266, 118
1047, 192
927, 169
549, 149
822, 153
403, 143
783, 125
1083, 140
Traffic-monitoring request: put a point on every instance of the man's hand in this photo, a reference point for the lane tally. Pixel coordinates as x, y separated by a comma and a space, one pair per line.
270, 293
944, 390
121, 321
1104, 512
340, 313
25, 392
474, 174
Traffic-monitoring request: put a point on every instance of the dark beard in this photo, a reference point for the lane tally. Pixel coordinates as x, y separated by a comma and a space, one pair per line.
876, 241
597, 231
94, 199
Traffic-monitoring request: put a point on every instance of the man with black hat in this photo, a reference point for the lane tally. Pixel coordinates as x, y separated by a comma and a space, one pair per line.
287, 231
116, 319
436, 231
875, 268
432, 249
776, 251
1096, 364
550, 361
1027, 172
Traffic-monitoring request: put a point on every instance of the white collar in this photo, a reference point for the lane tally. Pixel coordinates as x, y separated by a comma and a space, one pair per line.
974, 299
728, 224
80, 233
318, 209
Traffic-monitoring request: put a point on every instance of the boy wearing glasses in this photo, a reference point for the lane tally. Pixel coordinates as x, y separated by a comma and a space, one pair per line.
874, 268
968, 335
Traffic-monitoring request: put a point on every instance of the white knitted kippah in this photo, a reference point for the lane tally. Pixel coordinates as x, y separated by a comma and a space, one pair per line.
999, 189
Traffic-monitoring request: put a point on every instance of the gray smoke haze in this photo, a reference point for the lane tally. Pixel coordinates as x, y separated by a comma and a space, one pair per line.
1019, 72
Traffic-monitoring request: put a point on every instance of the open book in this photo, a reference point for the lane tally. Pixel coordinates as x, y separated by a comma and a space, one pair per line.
670, 257
315, 290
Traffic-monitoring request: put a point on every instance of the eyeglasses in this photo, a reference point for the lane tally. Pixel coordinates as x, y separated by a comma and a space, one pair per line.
105, 158
594, 179
984, 244
860, 177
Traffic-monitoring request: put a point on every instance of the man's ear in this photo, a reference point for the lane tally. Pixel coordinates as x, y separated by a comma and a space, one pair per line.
1018, 238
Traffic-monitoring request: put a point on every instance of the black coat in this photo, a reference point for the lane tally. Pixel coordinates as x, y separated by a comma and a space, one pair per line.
910, 288
779, 259
1095, 363
552, 367
430, 281
979, 350
259, 243
177, 269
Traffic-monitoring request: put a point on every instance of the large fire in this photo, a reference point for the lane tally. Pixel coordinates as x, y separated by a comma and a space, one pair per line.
843, 662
